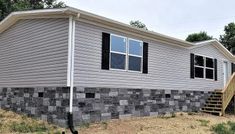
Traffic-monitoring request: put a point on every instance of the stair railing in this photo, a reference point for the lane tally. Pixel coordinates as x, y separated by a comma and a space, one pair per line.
228, 92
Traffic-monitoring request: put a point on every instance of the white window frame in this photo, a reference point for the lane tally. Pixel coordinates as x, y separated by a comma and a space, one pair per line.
204, 67
126, 68
110, 42
141, 61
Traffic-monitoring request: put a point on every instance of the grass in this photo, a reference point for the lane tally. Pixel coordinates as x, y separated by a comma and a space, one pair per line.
24, 127
224, 128
11, 122
203, 122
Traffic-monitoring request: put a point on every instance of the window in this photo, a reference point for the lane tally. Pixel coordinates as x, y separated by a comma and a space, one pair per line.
209, 68
199, 66
204, 67
125, 53
118, 52
135, 55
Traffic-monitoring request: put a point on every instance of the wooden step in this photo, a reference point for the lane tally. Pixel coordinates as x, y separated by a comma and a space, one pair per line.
212, 112
212, 109
215, 92
214, 99
213, 105
216, 95
214, 102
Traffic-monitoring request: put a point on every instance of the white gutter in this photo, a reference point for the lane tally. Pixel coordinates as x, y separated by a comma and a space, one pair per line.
71, 47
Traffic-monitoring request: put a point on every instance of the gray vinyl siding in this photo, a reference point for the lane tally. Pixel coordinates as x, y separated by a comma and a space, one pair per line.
169, 66
33, 53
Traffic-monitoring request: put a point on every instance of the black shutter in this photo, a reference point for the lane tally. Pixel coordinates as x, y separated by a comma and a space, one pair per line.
215, 68
192, 65
232, 68
145, 58
105, 51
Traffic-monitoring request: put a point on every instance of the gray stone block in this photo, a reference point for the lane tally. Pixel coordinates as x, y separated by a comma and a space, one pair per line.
123, 102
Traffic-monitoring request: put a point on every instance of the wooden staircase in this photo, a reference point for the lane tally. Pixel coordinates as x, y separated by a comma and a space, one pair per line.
220, 98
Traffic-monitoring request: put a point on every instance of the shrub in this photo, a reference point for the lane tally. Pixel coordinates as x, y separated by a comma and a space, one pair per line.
224, 128
231, 125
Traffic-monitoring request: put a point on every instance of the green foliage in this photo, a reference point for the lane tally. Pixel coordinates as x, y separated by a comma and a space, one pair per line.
228, 39
224, 128
232, 125
8, 6
24, 127
220, 129
203, 122
138, 24
196, 37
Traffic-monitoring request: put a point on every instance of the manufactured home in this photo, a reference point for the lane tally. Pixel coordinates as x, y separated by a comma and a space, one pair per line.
55, 61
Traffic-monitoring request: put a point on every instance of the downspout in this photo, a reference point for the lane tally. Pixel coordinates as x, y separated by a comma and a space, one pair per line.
71, 72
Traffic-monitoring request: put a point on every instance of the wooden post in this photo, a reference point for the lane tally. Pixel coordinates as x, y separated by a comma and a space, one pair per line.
234, 104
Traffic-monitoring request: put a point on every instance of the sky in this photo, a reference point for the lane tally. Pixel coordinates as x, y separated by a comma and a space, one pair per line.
176, 18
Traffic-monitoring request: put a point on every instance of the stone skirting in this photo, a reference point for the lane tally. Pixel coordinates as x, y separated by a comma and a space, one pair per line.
50, 103
96, 104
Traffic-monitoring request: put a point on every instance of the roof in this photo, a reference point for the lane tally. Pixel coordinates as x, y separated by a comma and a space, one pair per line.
107, 23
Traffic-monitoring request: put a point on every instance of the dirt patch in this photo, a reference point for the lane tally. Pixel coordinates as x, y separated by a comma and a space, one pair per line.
181, 123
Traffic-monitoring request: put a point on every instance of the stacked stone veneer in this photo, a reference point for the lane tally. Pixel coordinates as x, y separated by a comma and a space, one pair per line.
120, 103
96, 104
50, 103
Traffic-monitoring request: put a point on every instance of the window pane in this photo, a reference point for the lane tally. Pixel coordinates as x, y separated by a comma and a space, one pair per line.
134, 63
199, 60
209, 73
199, 72
118, 61
135, 47
209, 63
118, 44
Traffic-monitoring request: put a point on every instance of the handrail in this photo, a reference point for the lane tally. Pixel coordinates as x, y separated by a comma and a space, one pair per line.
228, 92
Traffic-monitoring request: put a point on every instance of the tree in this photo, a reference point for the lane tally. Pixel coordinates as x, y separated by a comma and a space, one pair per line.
8, 6
138, 24
228, 39
201, 36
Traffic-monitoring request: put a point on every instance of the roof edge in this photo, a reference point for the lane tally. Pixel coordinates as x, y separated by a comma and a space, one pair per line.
80, 14
218, 45
40, 13
110, 22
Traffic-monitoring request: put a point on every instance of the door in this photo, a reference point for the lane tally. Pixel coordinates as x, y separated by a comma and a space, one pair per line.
225, 72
